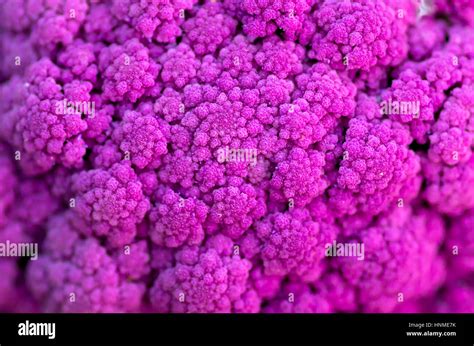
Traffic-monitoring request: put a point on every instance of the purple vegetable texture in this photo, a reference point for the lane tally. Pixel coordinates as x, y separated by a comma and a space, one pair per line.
237, 156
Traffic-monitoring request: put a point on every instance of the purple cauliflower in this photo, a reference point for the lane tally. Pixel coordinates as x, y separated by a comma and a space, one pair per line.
47, 130
205, 279
77, 275
453, 133
237, 156
395, 266
263, 18
153, 19
109, 203
177, 221
299, 298
449, 189
140, 139
208, 29
128, 71
359, 34
460, 245
376, 166
292, 243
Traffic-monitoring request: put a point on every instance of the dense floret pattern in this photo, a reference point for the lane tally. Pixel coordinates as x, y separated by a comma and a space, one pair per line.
110, 203
207, 279
206, 156
393, 249
359, 34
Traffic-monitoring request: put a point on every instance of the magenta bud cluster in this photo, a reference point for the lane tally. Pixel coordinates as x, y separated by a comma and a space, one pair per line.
237, 156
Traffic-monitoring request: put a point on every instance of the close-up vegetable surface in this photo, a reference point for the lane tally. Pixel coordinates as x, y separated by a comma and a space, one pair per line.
237, 156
